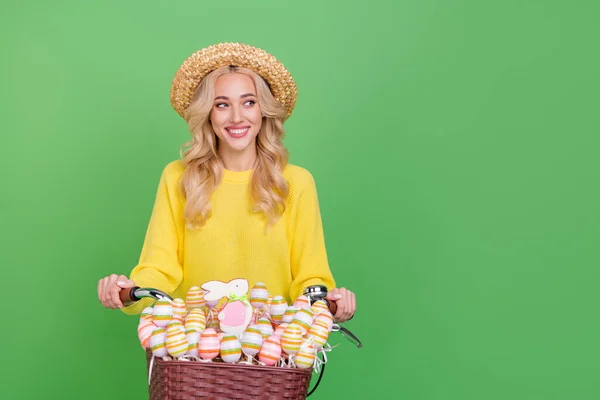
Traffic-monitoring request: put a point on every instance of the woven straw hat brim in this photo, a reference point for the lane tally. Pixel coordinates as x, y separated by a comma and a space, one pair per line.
204, 61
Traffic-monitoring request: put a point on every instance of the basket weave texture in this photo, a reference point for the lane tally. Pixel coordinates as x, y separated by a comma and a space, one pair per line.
187, 380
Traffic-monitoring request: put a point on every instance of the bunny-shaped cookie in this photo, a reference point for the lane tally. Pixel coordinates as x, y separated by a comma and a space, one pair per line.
235, 316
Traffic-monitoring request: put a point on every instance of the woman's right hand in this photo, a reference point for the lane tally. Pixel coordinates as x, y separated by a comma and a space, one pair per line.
109, 288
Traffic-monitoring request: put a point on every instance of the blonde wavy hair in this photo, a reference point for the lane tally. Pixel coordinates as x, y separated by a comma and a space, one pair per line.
204, 167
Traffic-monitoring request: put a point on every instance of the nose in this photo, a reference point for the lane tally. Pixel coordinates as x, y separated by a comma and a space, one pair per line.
236, 114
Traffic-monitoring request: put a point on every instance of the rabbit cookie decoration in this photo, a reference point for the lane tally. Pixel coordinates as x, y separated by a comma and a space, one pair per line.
237, 313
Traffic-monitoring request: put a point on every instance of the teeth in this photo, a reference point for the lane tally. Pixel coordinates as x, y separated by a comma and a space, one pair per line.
237, 131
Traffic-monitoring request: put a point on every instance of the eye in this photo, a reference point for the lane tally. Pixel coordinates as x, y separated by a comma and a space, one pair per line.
250, 101
218, 105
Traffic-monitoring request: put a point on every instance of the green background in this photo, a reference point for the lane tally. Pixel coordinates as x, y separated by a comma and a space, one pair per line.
455, 149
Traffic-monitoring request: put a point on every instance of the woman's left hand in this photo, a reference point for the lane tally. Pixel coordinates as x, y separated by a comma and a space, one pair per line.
345, 302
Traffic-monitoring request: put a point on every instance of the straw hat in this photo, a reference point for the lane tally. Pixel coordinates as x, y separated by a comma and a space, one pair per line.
204, 61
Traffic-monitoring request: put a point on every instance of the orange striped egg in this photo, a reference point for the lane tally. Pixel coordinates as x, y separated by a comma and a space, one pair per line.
158, 342
162, 312
252, 340
270, 352
209, 346
291, 339
326, 317
305, 357
259, 295
304, 319
177, 343
280, 329
231, 349
318, 307
179, 309
146, 315
195, 319
319, 332
302, 302
290, 312
195, 298
193, 336
265, 327
278, 307
145, 329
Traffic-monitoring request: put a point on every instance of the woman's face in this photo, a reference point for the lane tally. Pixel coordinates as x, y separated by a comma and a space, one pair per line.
235, 115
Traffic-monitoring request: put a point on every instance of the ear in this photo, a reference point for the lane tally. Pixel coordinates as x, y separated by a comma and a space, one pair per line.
216, 290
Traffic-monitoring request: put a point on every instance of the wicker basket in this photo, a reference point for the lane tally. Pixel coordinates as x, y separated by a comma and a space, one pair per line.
187, 380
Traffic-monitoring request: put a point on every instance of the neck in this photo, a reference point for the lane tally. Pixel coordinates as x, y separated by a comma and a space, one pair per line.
238, 161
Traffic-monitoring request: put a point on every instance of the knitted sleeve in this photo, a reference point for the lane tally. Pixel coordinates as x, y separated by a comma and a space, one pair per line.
308, 255
160, 264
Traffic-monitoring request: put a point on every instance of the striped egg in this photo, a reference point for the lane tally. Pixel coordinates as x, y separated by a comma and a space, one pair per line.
145, 329
326, 317
305, 357
179, 309
259, 295
265, 327
208, 346
290, 312
304, 319
277, 309
280, 329
302, 302
162, 313
270, 352
195, 298
231, 349
319, 332
195, 319
177, 343
146, 315
318, 307
252, 340
291, 339
193, 336
158, 342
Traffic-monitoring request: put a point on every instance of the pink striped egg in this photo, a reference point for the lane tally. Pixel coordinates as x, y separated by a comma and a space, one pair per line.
195, 298
145, 329
291, 339
265, 327
146, 314
289, 314
209, 346
162, 313
231, 349
280, 329
252, 340
305, 357
318, 307
319, 332
277, 309
179, 309
304, 319
259, 295
158, 342
177, 343
302, 302
196, 319
193, 337
326, 317
270, 352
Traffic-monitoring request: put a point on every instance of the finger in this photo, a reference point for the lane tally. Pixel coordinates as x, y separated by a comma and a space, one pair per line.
114, 296
105, 297
100, 290
125, 282
110, 289
101, 285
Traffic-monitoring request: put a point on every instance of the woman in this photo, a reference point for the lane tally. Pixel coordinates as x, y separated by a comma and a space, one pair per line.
233, 207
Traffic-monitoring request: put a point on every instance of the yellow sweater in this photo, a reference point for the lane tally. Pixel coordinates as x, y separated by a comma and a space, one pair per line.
234, 242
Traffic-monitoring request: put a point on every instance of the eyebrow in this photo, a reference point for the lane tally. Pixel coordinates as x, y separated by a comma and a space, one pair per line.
241, 97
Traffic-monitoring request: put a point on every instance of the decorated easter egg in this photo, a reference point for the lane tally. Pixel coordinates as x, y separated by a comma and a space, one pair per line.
231, 349
146, 314
209, 346
195, 298
270, 352
259, 295
319, 332
145, 329
280, 329
305, 357
326, 317
193, 337
162, 313
318, 307
277, 309
195, 319
158, 342
304, 319
302, 302
177, 343
252, 340
289, 314
265, 327
179, 309
291, 340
